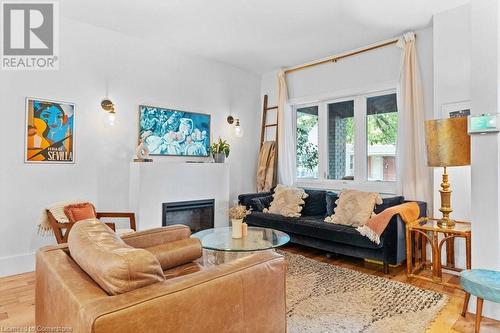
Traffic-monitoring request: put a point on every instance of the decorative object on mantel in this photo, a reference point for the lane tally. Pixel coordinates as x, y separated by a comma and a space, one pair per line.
220, 150
175, 132
448, 144
142, 150
237, 214
108, 106
50, 131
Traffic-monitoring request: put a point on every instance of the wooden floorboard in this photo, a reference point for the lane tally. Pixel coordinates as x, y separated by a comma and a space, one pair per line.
17, 295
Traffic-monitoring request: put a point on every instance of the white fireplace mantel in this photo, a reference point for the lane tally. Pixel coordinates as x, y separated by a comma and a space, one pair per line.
152, 184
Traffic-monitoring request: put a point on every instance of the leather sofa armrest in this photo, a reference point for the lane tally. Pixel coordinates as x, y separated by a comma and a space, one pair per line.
157, 236
249, 294
176, 253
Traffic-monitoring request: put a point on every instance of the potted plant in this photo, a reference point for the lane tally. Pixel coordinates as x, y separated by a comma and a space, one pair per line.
237, 214
220, 150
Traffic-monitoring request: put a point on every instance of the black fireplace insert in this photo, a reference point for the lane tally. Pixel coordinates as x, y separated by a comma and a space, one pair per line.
197, 214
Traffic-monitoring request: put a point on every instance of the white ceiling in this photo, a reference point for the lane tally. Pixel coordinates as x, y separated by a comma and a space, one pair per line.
259, 35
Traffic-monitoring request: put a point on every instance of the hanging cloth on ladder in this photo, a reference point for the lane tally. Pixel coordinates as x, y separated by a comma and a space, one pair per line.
266, 167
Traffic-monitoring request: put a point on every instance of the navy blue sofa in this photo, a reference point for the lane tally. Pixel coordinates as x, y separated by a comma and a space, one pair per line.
312, 231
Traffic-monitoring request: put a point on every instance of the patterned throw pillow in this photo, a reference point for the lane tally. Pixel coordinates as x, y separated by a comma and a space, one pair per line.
354, 207
287, 201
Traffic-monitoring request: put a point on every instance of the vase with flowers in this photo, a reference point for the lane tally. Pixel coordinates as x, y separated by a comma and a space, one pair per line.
237, 214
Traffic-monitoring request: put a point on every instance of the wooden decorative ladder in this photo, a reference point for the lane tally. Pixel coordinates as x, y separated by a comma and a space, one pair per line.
265, 125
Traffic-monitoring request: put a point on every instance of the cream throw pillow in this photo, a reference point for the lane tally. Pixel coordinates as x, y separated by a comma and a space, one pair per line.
287, 201
354, 207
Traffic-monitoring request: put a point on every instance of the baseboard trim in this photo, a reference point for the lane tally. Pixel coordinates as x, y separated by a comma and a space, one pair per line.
17, 264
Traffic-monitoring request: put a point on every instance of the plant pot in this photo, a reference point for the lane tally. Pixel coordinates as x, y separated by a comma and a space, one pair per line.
219, 157
237, 228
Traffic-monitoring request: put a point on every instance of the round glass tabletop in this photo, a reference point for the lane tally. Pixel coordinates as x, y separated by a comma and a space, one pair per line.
257, 239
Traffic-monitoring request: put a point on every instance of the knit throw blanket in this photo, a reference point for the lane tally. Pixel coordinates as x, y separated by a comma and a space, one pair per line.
376, 225
57, 210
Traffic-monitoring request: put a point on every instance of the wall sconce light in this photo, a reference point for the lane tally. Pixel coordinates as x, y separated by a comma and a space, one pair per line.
108, 106
238, 130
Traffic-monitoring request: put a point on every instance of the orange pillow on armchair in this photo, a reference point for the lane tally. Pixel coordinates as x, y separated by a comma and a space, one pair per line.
81, 211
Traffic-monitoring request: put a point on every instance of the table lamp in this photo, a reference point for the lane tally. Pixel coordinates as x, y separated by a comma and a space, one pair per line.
448, 144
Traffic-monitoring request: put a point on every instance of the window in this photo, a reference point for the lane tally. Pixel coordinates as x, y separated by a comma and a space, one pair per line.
341, 140
307, 142
382, 131
349, 141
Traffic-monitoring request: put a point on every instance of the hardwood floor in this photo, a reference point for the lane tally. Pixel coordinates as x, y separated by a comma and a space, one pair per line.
17, 295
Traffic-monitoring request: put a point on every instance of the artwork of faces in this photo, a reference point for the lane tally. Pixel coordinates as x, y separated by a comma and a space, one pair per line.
49, 131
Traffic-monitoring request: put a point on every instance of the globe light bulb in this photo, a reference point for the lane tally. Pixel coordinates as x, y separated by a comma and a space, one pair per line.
111, 118
238, 131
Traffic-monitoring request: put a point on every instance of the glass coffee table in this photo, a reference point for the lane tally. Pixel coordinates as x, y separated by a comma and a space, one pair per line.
219, 246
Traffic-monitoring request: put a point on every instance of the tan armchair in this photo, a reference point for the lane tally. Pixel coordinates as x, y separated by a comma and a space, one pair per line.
246, 295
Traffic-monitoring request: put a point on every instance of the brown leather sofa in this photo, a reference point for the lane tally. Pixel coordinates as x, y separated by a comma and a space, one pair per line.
246, 295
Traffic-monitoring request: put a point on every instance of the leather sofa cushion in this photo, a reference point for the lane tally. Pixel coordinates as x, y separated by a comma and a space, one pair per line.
115, 266
176, 253
313, 226
315, 203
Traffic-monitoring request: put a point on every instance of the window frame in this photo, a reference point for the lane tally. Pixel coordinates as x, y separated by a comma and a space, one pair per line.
360, 181
294, 129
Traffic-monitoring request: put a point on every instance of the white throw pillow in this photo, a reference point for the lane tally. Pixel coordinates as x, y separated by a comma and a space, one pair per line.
354, 207
287, 201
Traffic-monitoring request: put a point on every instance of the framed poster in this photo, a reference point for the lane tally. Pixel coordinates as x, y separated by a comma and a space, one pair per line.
174, 132
50, 130
454, 110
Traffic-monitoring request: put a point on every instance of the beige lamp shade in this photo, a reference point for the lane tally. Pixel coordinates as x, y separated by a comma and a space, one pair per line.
448, 143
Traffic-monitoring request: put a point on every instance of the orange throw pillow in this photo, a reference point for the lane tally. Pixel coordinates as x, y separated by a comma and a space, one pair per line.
78, 212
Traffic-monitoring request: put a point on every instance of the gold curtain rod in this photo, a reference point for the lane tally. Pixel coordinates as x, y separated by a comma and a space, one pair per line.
342, 56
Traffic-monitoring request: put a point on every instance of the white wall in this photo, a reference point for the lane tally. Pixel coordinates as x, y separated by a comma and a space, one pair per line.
136, 73
485, 149
452, 80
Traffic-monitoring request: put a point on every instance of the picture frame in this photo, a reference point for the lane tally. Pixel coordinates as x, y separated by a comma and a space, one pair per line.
175, 132
49, 131
456, 109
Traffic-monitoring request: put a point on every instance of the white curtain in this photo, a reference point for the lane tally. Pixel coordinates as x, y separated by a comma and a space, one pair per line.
414, 174
286, 144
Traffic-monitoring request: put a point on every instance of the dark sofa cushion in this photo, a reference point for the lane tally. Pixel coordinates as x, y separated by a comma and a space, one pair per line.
246, 199
313, 226
258, 204
331, 198
388, 202
315, 203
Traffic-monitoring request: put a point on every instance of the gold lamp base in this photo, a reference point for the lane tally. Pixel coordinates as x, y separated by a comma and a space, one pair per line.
445, 191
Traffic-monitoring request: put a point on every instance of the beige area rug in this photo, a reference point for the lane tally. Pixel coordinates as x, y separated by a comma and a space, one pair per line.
325, 298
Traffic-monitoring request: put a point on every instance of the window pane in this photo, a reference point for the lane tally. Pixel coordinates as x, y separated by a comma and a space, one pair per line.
382, 130
307, 142
341, 140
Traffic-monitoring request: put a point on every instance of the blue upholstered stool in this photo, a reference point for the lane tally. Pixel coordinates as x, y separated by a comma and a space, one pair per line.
482, 283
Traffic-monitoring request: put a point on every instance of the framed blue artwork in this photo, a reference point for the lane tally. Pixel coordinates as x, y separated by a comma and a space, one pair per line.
173, 132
